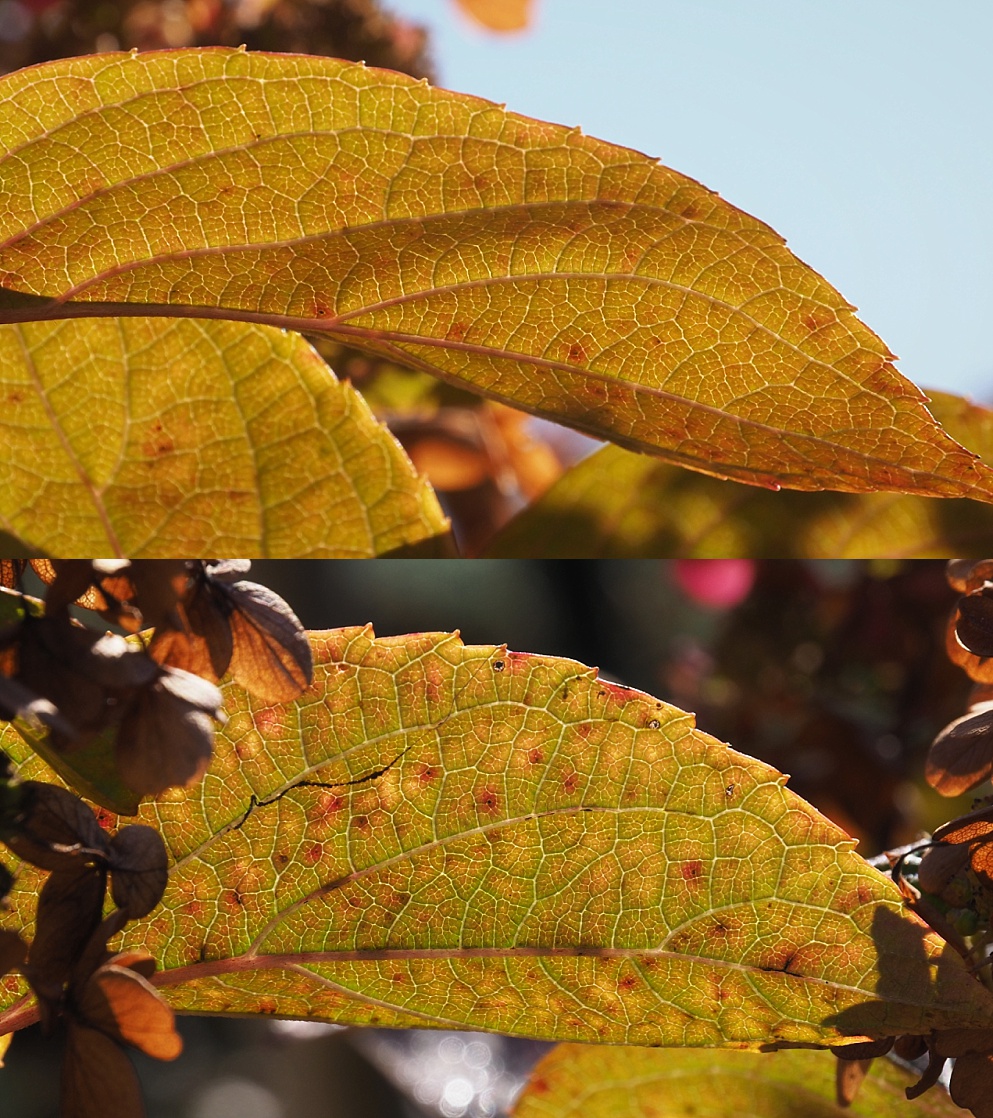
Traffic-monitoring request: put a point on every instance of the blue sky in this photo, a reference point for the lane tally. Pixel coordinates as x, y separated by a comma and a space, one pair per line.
859, 129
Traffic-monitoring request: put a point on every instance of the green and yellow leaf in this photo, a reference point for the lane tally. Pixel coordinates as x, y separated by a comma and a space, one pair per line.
579, 1081
463, 837
150, 437
561, 274
617, 504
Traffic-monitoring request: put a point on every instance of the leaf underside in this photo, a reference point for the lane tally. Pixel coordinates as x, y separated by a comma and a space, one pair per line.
616, 504
604, 1082
156, 437
561, 274
453, 836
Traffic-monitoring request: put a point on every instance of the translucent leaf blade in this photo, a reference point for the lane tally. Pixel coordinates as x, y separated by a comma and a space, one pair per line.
567, 276
445, 835
150, 437
616, 504
604, 1082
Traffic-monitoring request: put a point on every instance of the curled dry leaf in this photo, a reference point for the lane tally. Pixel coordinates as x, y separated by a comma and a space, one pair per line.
848, 1078
98, 1080
139, 869
18, 701
240, 626
57, 831
79, 671
974, 628
123, 1005
166, 737
972, 1084
961, 756
69, 907
107, 1007
979, 668
941, 866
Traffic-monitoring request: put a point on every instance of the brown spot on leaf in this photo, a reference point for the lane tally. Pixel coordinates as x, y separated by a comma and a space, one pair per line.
539, 1086
817, 319
628, 982
158, 443
691, 871
313, 853
577, 355
536, 756
487, 799
427, 774
327, 803
570, 782
231, 900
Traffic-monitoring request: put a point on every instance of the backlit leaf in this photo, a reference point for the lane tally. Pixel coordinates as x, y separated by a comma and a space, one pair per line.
460, 836
559, 273
145, 437
605, 1082
623, 505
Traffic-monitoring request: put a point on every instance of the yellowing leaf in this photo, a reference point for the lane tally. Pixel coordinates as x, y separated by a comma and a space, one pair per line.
145, 437
622, 505
555, 272
460, 836
498, 15
605, 1082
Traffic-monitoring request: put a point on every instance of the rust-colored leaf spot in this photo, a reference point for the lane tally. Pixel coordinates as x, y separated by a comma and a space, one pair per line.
570, 782
158, 443
313, 854
487, 799
691, 870
327, 803
427, 774
577, 355
231, 900
535, 756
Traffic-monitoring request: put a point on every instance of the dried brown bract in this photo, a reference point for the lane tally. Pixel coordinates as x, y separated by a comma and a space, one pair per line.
139, 869
166, 737
961, 756
231, 624
109, 1004
105, 1002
